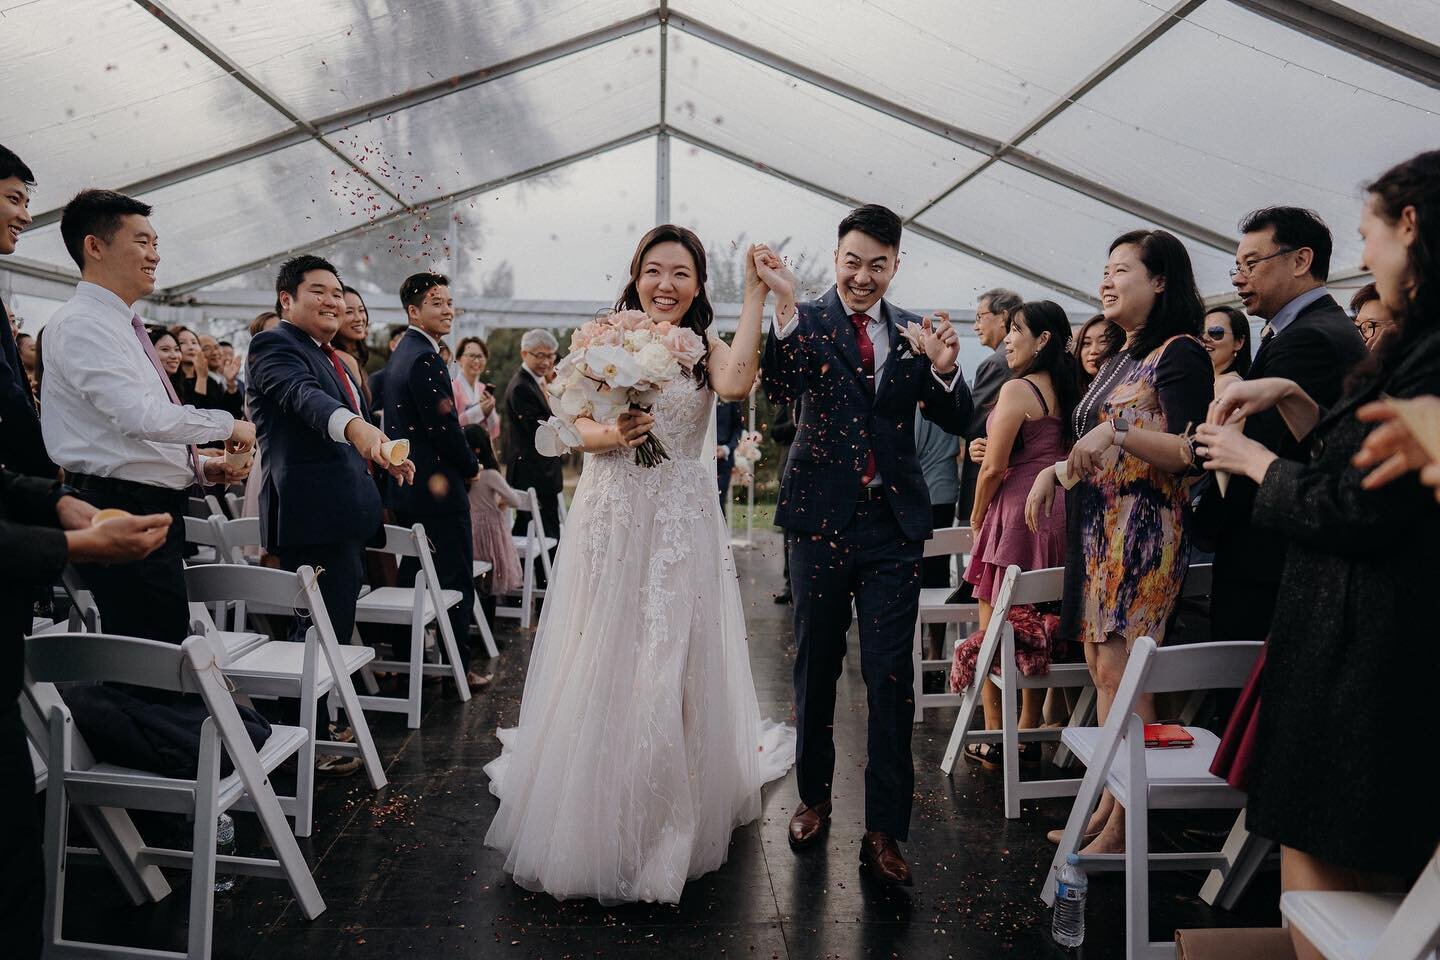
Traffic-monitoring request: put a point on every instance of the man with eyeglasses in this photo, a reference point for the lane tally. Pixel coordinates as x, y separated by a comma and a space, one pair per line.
1281, 265
526, 406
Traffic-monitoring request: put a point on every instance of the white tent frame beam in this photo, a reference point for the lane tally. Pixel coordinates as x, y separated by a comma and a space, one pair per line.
180, 28
929, 233
1353, 32
990, 147
317, 129
178, 292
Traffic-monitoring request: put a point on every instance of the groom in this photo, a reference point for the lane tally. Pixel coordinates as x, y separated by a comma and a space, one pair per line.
856, 512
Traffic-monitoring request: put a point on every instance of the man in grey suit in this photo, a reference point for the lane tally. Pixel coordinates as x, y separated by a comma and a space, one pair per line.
992, 313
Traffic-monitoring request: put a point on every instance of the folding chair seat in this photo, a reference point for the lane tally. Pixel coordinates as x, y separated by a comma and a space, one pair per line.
74, 778
1142, 779
1349, 925
419, 606
309, 672
204, 534
934, 608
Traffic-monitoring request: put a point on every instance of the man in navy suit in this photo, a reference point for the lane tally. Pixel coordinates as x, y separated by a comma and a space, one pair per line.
729, 428
318, 501
856, 512
420, 407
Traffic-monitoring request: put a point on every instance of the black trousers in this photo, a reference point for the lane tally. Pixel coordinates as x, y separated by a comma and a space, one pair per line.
454, 552
550, 517
872, 562
143, 598
339, 568
22, 869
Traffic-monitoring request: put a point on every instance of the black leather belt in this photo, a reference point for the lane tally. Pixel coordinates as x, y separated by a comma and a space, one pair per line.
145, 492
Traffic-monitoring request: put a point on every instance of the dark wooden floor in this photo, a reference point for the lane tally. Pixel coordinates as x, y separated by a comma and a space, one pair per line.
404, 872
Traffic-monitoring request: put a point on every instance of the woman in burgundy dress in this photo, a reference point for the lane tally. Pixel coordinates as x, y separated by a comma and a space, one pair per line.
1028, 431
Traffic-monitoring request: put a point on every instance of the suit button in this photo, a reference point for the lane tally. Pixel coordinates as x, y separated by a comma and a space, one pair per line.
1317, 450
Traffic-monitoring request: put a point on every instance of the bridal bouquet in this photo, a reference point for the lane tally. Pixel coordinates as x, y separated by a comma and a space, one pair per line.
747, 454
616, 363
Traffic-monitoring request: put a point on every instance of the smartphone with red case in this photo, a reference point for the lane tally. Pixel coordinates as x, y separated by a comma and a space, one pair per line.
1167, 735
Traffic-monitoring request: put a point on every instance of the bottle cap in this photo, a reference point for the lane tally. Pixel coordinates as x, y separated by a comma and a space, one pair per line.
1072, 858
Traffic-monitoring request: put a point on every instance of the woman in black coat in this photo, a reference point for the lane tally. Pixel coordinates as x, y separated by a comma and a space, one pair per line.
1345, 709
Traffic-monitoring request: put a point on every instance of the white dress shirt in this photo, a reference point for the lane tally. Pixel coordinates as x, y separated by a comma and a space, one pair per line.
104, 409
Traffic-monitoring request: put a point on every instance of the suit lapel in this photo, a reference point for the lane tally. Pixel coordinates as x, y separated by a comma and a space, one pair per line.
317, 354
842, 332
899, 347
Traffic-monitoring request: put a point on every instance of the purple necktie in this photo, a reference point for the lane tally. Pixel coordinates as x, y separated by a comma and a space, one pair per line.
149, 348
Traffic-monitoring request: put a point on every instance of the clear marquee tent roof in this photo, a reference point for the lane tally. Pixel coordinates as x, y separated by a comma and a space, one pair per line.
524, 145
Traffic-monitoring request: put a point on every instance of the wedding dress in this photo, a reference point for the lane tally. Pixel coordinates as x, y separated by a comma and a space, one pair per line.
640, 746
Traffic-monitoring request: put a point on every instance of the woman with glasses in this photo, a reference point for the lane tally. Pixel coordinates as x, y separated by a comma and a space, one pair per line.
473, 397
1372, 318
1226, 337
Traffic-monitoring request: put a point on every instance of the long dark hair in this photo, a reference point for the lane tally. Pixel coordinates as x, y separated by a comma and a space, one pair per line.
1240, 330
1046, 316
1414, 183
701, 314
1113, 334
479, 439
1178, 308
359, 349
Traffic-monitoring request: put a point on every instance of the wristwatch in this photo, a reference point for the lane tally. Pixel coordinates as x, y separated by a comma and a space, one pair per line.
1121, 426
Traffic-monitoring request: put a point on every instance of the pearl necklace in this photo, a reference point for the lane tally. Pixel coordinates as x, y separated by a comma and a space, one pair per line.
1099, 389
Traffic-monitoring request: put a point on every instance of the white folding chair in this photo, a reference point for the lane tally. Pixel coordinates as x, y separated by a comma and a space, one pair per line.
478, 569
533, 546
234, 505
945, 542
308, 671
1140, 780
75, 778
206, 506
1346, 925
418, 606
204, 533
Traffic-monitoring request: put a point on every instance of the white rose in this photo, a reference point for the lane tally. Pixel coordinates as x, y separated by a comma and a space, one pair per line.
656, 363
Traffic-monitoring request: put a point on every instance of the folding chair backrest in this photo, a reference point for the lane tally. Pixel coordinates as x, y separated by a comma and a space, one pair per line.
1038, 586
234, 505
206, 532
400, 541
95, 657
1415, 928
84, 614
950, 541
212, 582
1201, 666
536, 522
202, 507
238, 534
1197, 581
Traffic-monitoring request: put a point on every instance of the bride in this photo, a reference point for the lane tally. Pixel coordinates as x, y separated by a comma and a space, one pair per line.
640, 745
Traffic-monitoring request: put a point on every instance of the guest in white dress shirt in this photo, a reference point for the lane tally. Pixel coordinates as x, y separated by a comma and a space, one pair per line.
110, 416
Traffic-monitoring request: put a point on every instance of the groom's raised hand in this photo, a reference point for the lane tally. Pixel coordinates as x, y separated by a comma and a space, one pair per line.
941, 342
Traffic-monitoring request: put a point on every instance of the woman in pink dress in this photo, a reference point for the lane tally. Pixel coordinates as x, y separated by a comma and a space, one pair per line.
1028, 431
490, 533
474, 400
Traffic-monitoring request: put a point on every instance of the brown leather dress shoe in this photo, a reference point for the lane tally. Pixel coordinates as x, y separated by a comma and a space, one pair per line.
808, 824
880, 855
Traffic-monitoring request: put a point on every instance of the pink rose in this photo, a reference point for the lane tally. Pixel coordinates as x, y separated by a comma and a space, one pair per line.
685, 346
631, 320
662, 328
606, 335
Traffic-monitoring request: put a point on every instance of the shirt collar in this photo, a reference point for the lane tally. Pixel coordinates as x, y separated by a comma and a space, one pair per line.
105, 296
434, 344
303, 333
1286, 314
874, 315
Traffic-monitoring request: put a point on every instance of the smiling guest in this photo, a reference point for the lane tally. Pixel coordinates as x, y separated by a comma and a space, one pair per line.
1281, 265
526, 407
1226, 337
420, 407
1372, 318
111, 418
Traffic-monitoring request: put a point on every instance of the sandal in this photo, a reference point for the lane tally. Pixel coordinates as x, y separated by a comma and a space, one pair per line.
985, 754
336, 766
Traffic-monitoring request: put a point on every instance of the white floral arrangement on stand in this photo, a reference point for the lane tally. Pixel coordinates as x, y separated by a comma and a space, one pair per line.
747, 454
616, 363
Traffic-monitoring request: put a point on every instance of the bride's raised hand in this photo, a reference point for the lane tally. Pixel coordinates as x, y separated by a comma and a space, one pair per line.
773, 272
634, 427
753, 283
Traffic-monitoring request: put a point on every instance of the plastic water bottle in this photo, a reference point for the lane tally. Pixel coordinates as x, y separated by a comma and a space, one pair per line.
224, 846
1071, 884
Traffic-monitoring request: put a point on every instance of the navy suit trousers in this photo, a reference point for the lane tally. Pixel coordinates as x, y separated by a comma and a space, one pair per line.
872, 562
339, 568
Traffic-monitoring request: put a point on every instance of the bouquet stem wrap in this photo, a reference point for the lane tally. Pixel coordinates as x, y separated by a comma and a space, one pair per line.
652, 452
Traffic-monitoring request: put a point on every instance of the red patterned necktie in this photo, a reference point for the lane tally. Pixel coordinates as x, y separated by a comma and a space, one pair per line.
138, 326
339, 366
867, 364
